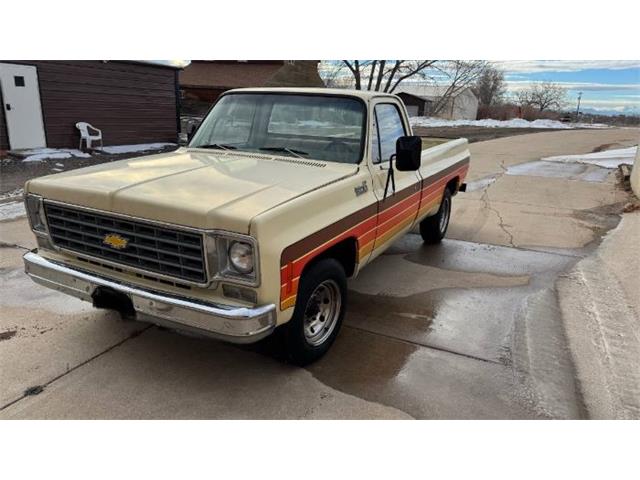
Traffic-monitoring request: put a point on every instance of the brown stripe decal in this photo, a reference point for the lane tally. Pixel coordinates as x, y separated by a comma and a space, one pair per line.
298, 249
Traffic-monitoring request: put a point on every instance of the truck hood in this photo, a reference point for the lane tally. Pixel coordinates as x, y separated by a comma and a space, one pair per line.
192, 187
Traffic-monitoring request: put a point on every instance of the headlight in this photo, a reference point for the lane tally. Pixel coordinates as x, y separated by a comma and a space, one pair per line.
35, 211
241, 257
233, 258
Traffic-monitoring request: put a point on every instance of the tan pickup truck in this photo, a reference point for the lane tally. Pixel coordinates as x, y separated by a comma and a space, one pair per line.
280, 196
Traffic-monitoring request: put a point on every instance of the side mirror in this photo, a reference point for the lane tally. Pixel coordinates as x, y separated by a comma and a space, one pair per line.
408, 153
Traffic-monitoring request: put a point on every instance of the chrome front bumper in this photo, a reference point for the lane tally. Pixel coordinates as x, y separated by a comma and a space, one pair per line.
233, 324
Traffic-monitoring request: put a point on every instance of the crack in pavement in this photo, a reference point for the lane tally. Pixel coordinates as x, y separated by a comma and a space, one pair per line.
81, 364
487, 204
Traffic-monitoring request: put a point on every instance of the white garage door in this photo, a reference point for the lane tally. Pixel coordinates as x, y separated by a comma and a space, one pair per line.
412, 110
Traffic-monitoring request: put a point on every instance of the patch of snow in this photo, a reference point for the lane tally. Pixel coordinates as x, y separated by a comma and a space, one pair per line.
40, 154
18, 192
606, 159
489, 123
573, 171
480, 184
142, 147
12, 210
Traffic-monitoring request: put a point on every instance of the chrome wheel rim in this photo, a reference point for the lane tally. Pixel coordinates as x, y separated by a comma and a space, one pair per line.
444, 218
322, 312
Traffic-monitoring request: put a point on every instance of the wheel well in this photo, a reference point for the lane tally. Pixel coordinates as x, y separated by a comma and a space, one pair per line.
453, 184
344, 252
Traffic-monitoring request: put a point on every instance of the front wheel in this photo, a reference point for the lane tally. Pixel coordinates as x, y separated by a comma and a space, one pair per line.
317, 317
434, 228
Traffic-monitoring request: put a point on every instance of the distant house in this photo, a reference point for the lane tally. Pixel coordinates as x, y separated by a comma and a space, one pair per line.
202, 82
417, 106
131, 102
421, 99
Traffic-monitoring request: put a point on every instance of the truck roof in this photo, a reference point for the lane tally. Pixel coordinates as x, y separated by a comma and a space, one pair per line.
363, 94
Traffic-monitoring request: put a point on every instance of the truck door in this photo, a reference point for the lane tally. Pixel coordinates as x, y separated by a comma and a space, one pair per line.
397, 212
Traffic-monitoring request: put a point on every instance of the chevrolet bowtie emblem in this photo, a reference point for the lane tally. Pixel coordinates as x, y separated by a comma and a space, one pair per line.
115, 241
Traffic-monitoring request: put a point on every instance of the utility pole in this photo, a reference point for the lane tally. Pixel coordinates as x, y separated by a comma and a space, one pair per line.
578, 109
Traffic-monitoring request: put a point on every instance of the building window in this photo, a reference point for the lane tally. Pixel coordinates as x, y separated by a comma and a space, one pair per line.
19, 81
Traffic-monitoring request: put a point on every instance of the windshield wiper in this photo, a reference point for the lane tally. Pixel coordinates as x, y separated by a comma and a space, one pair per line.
219, 146
290, 151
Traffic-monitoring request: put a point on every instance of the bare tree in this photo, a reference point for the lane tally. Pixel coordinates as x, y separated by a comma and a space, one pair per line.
543, 96
455, 76
450, 76
335, 75
490, 86
385, 75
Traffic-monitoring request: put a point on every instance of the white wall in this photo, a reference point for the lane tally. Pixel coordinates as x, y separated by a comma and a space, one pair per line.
465, 106
635, 174
462, 107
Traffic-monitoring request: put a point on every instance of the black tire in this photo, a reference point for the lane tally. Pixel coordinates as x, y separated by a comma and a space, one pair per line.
434, 228
325, 274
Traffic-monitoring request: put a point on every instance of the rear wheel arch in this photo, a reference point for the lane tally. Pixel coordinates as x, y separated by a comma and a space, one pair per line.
453, 185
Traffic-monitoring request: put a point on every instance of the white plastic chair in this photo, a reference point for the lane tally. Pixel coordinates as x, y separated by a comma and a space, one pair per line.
87, 136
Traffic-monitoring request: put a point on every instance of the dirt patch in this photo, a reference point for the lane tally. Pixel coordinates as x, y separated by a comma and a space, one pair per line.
7, 335
632, 206
38, 389
606, 146
624, 177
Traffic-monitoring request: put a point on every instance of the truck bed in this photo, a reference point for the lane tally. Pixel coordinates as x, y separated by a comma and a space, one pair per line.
441, 153
429, 142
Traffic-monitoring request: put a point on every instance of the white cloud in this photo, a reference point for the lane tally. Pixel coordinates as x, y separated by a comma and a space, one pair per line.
533, 66
605, 104
516, 85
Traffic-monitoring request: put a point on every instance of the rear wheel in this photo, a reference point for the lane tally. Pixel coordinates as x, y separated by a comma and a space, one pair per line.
434, 228
318, 313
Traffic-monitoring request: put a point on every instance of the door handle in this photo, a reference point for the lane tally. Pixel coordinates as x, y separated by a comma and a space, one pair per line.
8, 105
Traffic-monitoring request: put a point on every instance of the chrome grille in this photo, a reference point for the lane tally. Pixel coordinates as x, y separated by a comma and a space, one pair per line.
149, 247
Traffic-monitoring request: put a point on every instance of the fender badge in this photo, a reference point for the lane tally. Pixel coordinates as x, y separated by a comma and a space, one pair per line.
360, 189
115, 241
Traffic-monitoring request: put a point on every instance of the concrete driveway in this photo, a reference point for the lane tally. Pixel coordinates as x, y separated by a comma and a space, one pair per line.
471, 328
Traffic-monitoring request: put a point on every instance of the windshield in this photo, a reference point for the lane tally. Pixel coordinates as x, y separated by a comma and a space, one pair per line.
317, 127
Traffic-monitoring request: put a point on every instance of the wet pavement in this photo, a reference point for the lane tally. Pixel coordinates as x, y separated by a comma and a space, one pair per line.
470, 328
462, 322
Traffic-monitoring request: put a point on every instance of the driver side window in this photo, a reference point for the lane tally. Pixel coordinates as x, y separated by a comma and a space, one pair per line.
388, 127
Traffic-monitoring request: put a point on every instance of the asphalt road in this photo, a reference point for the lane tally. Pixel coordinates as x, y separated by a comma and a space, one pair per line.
468, 329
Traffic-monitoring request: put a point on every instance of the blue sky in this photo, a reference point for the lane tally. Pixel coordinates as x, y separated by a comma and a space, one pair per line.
607, 85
